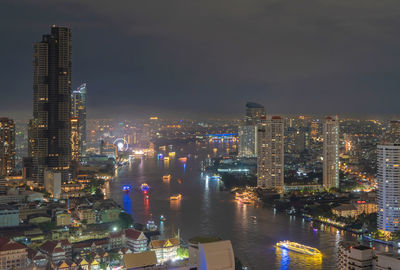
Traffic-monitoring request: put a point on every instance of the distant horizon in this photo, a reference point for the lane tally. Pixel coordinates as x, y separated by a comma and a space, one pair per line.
236, 117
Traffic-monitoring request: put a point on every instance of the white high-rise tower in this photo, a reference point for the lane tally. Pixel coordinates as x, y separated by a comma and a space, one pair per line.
270, 156
331, 153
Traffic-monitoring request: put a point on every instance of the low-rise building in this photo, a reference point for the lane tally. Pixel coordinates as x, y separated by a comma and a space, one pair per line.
116, 239
354, 256
9, 216
30, 209
36, 258
165, 250
54, 250
345, 210
135, 240
365, 207
13, 255
387, 261
86, 214
143, 260
63, 219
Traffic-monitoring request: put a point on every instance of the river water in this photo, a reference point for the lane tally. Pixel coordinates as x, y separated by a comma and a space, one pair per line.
206, 210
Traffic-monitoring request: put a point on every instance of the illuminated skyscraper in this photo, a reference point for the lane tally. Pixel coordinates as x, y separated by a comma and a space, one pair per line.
331, 153
51, 127
75, 140
7, 146
248, 131
79, 111
388, 177
270, 156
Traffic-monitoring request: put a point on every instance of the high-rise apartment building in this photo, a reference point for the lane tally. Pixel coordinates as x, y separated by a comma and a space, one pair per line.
248, 131
51, 126
78, 99
7, 146
270, 156
388, 178
331, 153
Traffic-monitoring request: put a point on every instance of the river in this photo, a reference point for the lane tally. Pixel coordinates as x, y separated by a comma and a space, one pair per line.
206, 210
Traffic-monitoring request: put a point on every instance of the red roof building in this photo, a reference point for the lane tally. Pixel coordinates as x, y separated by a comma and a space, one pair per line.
13, 255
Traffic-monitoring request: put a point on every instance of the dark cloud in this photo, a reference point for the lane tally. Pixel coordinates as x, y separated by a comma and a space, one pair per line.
210, 57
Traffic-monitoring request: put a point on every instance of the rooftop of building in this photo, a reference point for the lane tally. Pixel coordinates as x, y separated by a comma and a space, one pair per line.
7, 244
204, 239
138, 260
345, 207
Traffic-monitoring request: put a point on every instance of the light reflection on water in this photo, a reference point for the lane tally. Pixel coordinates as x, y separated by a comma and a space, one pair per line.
205, 210
291, 260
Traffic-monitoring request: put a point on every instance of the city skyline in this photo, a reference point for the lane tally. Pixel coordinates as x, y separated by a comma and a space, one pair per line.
196, 68
200, 135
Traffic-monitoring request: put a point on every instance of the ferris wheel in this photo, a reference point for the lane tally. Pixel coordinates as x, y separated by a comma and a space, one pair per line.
121, 144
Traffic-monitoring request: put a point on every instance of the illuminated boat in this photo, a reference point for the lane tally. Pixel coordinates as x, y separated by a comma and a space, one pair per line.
144, 187
166, 158
151, 226
166, 177
175, 197
162, 218
126, 188
215, 177
293, 246
183, 159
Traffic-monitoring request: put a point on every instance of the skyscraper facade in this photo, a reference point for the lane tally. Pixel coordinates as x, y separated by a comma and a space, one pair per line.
75, 140
331, 153
51, 127
78, 98
248, 131
7, 146
270, 156
388, 177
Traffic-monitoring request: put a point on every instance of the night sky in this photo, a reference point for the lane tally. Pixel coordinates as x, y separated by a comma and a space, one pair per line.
207, 58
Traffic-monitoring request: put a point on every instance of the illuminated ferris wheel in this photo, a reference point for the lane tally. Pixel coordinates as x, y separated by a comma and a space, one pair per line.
121, 144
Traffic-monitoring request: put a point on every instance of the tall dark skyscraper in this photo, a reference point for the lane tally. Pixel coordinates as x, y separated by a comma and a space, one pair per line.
79, 111
51, 127
7, 146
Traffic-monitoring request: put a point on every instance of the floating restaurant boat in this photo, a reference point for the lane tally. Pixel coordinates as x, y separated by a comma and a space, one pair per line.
126, 188
166, 177
293, 246
144, 187
183, 159
175, 197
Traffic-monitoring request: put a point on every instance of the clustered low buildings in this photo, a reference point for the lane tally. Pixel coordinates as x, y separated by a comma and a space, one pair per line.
356, 256
365, 204
126, 249
79, 233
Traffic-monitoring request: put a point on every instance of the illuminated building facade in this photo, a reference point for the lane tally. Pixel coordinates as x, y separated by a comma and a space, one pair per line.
78, 101
75, 140
248, 131
7, 146
270, 158
331, 153
388, 177
51, 127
